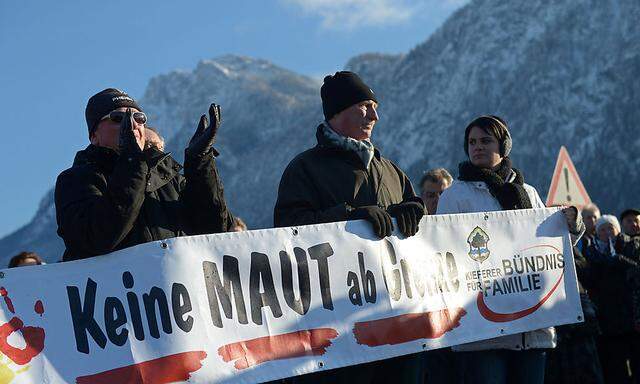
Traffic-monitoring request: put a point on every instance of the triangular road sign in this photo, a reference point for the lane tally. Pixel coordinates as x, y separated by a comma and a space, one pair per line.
566, 187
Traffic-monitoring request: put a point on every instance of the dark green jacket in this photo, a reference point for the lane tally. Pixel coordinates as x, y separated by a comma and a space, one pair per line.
106, 202
320, 184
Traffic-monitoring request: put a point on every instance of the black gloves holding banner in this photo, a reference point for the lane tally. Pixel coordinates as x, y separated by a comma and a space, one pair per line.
202, 141
377, 216
408, 215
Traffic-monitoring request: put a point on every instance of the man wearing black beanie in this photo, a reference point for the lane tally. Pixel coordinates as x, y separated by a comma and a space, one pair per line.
117, 195
344, 177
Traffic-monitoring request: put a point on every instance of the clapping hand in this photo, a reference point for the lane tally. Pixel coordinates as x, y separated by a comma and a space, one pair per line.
205, 135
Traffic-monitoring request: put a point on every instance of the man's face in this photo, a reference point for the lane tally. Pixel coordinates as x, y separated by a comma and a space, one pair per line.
590, 216
107, 133
631, 224
27, 262
484, 149
357, 121
607, 231
431, 194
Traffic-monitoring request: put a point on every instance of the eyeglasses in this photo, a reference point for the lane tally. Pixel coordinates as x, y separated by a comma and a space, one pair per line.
117, 116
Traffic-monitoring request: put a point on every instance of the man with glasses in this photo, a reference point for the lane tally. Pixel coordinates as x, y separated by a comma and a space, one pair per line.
117, 194
432, 184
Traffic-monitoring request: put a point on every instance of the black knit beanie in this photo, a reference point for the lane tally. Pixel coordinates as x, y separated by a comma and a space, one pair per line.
103, 102
342, 90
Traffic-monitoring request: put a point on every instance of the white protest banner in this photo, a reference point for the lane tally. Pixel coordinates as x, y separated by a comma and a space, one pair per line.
267, 304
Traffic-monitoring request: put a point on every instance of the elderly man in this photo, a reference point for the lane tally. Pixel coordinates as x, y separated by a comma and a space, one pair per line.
432, 184
344, 177
117, 195
590, 215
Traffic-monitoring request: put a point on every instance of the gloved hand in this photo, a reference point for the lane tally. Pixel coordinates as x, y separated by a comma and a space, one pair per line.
408, 215
574, 220
127, 141
378, 217
205, 135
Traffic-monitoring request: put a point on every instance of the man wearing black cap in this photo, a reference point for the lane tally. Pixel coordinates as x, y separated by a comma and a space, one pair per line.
344, 177
117, 195
630, 221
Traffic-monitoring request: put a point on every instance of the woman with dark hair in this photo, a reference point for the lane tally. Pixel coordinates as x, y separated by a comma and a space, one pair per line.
24, 259
489, 182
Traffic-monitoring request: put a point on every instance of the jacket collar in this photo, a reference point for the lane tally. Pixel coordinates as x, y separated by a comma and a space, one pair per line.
104, 158
325, 143
162, 166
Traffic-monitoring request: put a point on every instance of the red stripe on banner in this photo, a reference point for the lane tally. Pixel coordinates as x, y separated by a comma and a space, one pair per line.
408, 327
168, 369
295, 344
497, 317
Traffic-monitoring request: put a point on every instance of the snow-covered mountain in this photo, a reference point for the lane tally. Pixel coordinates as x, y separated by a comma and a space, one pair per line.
564, 72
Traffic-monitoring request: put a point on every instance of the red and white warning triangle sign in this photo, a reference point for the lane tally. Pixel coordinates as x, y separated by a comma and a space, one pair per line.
566, 187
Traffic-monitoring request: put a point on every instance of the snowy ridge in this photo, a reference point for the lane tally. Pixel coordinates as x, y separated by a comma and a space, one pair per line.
564, 72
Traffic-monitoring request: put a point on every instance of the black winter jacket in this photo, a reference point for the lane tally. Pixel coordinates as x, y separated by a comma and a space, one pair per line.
610, 281
106, 202
321, 184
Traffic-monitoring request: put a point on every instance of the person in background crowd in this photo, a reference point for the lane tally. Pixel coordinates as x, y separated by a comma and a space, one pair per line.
238, 225
590, 214
344, 177
117, 195
575, 359
611, 281
153, 139
489, 182
432, 184
439, 363
630, 219
24, 259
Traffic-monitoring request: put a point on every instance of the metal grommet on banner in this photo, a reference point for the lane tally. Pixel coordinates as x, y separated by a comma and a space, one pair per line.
1, 275
164, 245
486, 216
295, 231
501, 330
320, 364
424, 346
579, 317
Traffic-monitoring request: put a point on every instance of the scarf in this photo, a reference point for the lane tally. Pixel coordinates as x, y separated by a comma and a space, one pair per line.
510, 194
364, 149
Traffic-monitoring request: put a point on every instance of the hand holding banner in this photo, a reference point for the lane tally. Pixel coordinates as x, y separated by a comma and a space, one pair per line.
261, 305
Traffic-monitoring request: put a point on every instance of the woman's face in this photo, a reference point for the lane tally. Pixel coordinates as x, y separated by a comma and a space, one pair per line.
484, 149
607, 231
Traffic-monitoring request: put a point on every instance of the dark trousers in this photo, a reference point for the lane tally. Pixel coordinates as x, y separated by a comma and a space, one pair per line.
402, 370
617, 354
574, 360
442, 366
504, 366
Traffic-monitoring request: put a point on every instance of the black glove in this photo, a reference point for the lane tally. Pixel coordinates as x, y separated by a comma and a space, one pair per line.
205, 135
127, 142
377, 216
408, 215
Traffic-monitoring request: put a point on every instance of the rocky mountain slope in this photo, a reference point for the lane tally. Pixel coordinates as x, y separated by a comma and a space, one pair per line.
560, 73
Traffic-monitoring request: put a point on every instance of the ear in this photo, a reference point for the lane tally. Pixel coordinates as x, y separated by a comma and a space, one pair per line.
93, 139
